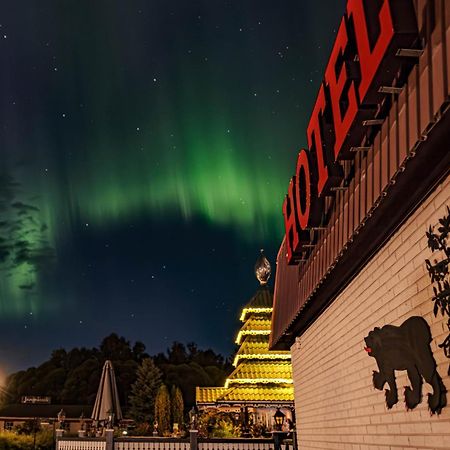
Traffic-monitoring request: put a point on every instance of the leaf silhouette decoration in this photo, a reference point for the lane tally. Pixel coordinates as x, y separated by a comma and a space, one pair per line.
438, 271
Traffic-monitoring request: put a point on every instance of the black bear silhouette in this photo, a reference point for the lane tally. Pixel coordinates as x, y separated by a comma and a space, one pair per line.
406, 347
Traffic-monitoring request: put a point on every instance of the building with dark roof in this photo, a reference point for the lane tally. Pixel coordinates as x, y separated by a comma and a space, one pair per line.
76, 416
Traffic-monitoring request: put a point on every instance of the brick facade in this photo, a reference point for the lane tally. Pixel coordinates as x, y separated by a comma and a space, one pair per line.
336, 404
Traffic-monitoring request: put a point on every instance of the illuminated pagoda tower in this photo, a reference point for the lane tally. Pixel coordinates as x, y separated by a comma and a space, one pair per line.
262, 379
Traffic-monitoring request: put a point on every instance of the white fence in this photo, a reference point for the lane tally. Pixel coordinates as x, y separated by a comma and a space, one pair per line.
150, 444
80, 444
168, 444
211, 445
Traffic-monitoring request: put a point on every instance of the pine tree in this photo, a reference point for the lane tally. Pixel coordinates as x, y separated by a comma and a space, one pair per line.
177, 403
162, 410
143, 392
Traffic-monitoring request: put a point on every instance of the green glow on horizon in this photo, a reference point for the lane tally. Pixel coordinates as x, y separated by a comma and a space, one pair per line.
210, 182
184, 162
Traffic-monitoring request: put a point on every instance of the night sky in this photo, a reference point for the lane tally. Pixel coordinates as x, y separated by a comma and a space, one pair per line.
146, 147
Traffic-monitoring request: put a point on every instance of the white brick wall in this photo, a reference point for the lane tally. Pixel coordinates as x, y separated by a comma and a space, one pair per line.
336, 404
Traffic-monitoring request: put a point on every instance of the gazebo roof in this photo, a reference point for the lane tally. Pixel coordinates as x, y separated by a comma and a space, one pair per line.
256, 323
257, 346
258, 349
252, 372
245, 394
254, 326
263, 298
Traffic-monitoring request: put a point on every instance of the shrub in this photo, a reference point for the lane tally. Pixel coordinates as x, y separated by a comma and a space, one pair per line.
13, 441
218, 424
162, 410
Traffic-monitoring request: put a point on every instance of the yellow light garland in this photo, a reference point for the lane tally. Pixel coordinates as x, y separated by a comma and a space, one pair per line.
261, 356
251, 333
254, 310
258, 380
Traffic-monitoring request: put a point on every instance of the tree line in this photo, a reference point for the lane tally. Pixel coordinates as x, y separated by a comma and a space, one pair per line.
72, 377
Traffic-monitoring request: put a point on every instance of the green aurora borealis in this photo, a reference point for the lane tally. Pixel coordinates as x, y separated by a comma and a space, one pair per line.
157, 115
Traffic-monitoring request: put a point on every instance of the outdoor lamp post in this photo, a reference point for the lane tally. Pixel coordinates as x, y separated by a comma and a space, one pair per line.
110, 419
193, 418
82, 431
61, 417
193, 432
279, 419
36, 425
245, 423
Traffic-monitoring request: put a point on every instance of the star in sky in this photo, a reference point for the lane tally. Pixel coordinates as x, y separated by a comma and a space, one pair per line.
158, 152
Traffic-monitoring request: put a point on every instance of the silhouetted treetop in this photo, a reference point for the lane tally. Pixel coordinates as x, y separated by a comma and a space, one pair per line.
72, 376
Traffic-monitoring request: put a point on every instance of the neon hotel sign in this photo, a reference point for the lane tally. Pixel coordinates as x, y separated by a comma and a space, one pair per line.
363, 59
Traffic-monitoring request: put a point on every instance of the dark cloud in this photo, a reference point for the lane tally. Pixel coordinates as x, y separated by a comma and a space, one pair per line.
4, 253
8, 187
22, 234
41, 257
23, 208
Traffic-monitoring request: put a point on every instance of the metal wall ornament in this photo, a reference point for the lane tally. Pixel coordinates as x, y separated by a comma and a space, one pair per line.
406, 347
438, 271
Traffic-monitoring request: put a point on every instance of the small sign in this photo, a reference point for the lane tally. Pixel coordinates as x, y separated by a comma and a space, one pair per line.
36, 399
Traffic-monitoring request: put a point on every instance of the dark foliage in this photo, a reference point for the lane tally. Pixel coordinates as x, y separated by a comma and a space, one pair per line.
438, 270
187, 367
162, 410
143, 392
72, 377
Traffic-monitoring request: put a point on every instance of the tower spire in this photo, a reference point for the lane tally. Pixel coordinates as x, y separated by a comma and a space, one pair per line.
262, 269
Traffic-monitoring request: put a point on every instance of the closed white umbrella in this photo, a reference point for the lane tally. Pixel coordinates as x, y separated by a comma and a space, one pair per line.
107, 400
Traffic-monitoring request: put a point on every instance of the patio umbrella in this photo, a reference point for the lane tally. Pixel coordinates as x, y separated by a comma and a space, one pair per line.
107, 400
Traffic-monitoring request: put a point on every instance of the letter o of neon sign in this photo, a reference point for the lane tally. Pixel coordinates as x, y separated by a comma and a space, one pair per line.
303, 185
